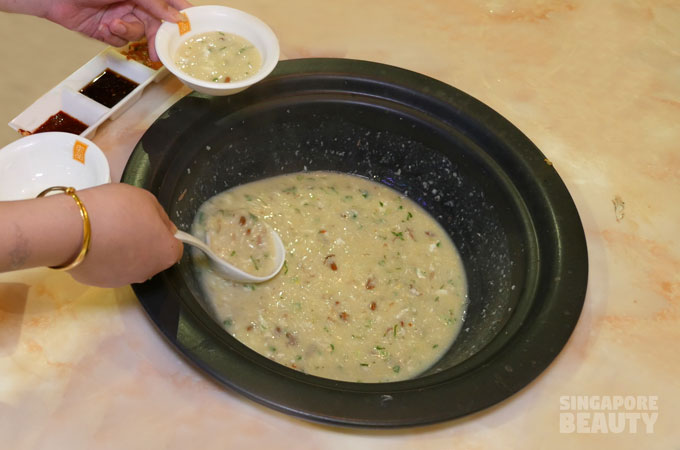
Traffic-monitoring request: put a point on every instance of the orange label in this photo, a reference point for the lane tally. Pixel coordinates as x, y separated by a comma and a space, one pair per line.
79, 149
185, 25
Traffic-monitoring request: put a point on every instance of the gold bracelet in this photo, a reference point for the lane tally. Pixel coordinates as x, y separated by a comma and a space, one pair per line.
87, 232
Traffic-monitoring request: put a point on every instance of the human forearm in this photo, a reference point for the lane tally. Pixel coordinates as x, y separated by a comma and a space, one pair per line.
32, 7
132, 236
39, 232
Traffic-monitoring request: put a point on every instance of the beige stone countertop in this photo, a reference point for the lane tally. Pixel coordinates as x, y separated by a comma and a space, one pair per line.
594, 84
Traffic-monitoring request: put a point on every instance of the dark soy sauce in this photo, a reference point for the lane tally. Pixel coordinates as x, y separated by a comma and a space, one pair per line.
108, 88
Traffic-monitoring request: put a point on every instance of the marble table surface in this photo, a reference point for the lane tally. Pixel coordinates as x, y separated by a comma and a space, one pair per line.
594, 84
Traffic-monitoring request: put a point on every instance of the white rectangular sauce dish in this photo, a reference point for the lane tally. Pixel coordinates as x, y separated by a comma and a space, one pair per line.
67, 98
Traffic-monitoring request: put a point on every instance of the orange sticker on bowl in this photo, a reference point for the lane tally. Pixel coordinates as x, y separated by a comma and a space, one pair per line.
185, 25
79, 149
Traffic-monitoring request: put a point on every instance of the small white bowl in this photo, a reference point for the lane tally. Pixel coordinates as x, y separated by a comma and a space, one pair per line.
227, 20
33, 163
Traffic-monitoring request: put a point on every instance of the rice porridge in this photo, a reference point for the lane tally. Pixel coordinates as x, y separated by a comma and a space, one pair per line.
218, 57
372, 290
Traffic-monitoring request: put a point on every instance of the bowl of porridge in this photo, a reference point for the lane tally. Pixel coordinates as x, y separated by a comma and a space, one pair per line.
435, 262
218, 50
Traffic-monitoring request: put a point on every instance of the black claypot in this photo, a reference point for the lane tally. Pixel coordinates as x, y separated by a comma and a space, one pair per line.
503, 204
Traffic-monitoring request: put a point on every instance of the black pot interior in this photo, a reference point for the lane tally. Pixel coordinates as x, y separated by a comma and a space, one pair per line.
444, 173
505, 209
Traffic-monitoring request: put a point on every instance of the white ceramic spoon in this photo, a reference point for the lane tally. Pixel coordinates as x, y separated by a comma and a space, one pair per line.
232, 272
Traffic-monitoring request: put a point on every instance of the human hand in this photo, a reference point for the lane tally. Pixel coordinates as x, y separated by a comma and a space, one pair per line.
132, 237
116, 22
